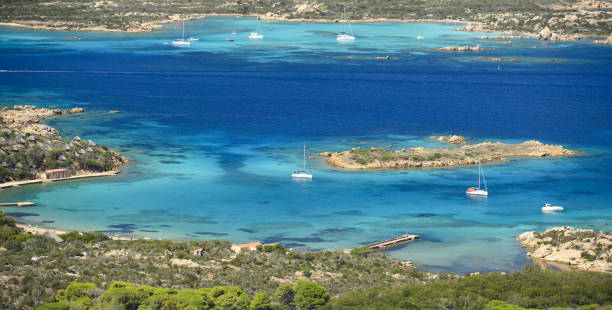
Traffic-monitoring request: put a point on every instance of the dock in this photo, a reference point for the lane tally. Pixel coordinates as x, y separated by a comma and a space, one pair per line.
389, 243
74, 177
17, 204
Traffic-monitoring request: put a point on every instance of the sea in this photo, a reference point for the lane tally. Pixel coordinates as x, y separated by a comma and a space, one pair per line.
214, 130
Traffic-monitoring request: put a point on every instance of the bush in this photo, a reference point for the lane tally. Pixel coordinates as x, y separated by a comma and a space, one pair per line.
361, 251
261, 301
284, 295
309, 295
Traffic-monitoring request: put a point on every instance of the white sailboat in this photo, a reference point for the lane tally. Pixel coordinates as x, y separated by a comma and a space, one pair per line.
477, 191
302, 174
181, 42
256, 34
344, 36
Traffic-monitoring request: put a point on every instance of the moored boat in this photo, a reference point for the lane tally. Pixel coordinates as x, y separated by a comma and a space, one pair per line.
477, 191
550, 208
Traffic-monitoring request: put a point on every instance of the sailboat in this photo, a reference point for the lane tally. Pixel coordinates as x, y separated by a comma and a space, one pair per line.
344, 36
182, 41
302, 174
256, 34
477, 191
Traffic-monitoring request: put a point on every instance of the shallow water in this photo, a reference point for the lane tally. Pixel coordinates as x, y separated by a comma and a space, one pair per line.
214, 131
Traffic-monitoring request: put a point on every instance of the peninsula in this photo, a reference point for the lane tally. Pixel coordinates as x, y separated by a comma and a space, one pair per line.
31, 151
569, 248
459, 154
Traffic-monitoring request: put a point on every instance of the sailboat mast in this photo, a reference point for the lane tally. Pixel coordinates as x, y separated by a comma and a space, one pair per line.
304, 157
479, 174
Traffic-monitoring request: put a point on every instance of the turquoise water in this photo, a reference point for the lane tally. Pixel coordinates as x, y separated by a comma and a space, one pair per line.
214, 131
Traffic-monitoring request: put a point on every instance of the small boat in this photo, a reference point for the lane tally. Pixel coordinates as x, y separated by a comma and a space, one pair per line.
420, 37
256, 35
550, 208
182, 42
234, 32
302, 173
193, 39
477, 191
343, 35
229, 40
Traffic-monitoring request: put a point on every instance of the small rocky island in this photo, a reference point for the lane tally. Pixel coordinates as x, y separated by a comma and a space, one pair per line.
30, 150
459, 154
578, 249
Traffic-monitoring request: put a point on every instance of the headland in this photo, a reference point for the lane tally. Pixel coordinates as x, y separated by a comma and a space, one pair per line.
31, 152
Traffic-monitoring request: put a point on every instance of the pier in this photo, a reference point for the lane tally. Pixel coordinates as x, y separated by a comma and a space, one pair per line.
17, 204
389, 243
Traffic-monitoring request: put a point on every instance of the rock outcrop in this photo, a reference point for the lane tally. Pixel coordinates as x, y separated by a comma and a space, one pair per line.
607, 41
379, 158
465, 48
453, 139
579, 249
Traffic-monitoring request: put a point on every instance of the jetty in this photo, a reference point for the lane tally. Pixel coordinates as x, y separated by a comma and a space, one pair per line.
17, 204
389, 243
73, 177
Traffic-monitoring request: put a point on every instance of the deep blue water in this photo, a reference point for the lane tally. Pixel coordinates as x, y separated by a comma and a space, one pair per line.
214, 131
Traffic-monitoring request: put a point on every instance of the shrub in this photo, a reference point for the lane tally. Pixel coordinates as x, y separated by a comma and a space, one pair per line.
261, 301
284, 295
310, 295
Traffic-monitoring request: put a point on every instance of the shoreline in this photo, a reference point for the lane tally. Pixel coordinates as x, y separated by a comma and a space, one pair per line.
6, 185
152, 26
156, 25
35, 230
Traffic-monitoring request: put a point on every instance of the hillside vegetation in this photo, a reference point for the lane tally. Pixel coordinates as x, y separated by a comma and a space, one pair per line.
91, 271
587, 18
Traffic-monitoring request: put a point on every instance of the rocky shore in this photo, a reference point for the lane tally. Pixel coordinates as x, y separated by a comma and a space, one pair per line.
465, 48
569, 248
28, 149
461, 154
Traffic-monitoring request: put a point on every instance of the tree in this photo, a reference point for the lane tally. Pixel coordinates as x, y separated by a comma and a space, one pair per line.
284, 295
501, 305
261, 301
309, 295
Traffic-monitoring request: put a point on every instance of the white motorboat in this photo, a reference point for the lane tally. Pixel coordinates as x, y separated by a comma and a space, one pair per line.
550, 208
193, 39
477, 191
420, 37
302, 173
182, 42
344, 35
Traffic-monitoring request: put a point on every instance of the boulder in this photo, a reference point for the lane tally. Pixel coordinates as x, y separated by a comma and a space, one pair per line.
545, 34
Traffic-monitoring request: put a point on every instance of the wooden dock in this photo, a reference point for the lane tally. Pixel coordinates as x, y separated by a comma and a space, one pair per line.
17, 204
389, 243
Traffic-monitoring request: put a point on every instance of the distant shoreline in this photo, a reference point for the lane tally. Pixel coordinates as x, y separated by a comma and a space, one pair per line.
154, 26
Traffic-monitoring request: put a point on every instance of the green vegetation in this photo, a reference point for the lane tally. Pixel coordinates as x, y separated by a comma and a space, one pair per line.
134, 15
530, 288
24, 155
91, 271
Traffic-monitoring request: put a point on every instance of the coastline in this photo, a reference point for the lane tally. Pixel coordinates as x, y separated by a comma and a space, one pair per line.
152, 26
86, 175
156, 25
